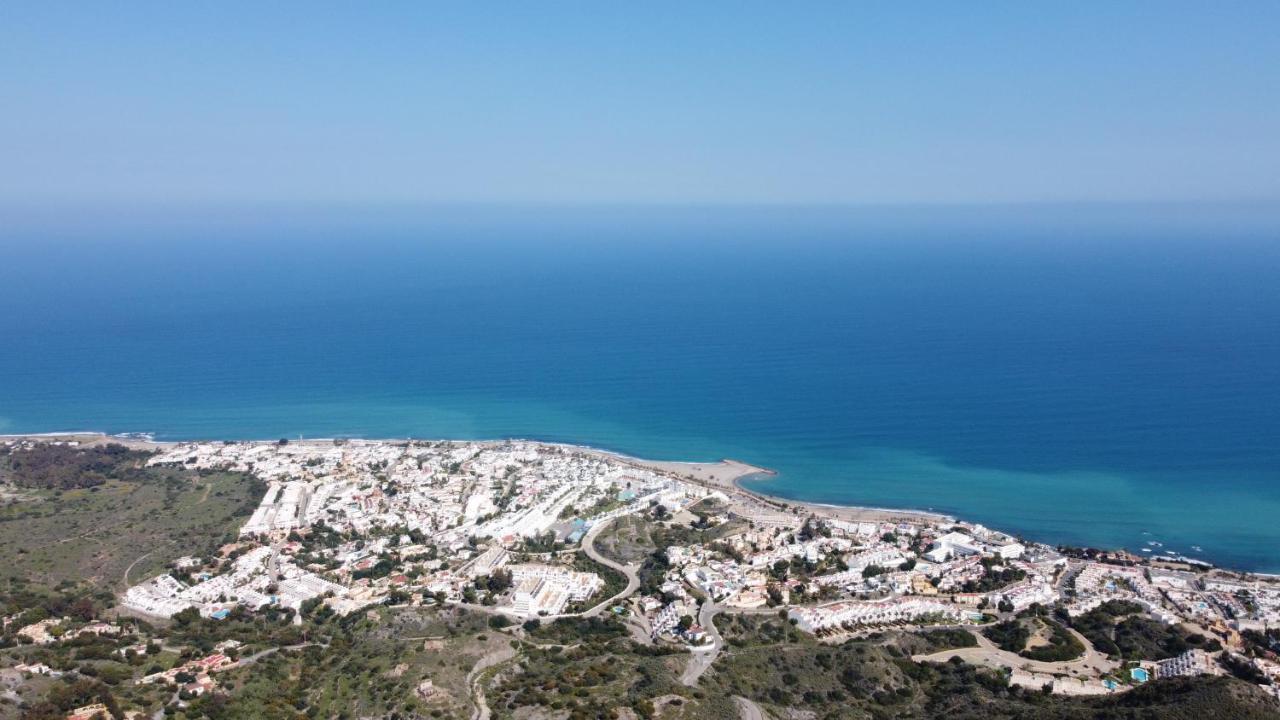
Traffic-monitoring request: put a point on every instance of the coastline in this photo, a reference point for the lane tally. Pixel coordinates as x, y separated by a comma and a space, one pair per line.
91, 438
726, 475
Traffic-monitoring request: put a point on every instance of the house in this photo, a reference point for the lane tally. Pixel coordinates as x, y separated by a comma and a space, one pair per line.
920, 585
1191, 662
90, 712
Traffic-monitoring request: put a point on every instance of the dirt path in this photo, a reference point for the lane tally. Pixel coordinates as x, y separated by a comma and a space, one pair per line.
496, 657
748, 710
639, 631
1091, 663
139, 559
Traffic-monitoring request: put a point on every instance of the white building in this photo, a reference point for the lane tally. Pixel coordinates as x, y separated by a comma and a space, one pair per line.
1191, 662
837, 614
951, 545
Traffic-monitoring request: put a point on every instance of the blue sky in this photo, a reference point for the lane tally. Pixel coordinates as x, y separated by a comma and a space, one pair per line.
742, 102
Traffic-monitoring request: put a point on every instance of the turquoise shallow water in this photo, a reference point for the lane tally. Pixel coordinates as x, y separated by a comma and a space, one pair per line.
1109, 381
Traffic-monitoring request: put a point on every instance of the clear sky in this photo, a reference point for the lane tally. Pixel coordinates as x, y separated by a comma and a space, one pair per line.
735, 102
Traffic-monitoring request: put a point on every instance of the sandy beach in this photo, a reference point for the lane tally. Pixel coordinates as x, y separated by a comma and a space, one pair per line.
727, 476
89, 438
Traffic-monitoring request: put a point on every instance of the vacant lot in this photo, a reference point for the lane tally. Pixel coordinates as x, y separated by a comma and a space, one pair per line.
386, 663
94, 534
632, 538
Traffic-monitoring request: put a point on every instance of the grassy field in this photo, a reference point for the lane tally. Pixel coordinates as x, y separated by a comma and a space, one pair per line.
95, 534
625, 540
632, 538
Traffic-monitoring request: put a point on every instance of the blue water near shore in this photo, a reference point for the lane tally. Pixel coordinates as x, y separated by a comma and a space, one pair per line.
1073, 375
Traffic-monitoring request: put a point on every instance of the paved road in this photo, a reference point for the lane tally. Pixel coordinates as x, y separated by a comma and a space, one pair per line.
633, 579
700, 660
273, 563
588, 547
251, 659
1068, 574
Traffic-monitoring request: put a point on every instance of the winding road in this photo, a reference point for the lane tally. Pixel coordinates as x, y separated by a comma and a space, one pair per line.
504, 654
630, 571
700, 660
496, 657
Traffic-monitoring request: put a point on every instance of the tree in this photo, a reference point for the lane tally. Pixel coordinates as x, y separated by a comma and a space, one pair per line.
499, 580
186, 617
83, 609
686, 622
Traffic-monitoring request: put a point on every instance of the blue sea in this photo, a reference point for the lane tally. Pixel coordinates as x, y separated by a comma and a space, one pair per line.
1085, 375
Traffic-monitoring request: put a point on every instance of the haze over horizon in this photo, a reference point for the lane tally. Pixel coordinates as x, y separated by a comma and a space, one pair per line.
314, 105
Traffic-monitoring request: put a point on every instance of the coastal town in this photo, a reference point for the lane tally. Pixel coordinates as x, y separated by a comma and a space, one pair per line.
352, 524
529, 532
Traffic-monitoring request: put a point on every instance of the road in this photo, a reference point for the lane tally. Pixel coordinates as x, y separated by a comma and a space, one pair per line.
633, 579
273, 563
1062, 584
127, 570
588, 547
496, 657
700, 660
748, 710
